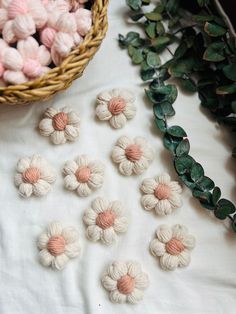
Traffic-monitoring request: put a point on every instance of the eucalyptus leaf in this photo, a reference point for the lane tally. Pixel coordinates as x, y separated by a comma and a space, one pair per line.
214, 30
215, 52
183, 164
216, 194
170, 143
197, 172
134, 4
183, 148
153, 16
204, 197
230, 71
160, 124
151, 30
226, 90
224, 208
205, 184
176, 131
153, 60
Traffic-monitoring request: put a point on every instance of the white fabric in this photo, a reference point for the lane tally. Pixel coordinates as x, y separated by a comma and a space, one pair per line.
207, 286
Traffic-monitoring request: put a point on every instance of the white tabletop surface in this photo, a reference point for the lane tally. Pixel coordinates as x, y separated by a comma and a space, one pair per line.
208, 285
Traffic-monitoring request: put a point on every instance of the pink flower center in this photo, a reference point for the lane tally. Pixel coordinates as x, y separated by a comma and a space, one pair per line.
60, 121
126, 284
31, 175
32, 68
106, 219
174, 246
133, 152
162, 192
83, 174
116, 105
56, 245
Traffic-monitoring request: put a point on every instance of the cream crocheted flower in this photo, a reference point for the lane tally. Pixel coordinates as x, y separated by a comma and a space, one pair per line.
105, 220
34, 176
133, 156
57, 245
116, 106
61, 125
125, 282
83, 175
173, 246
161, 194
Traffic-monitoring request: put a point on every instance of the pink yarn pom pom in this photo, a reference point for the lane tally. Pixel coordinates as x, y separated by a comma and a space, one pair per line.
12, 60
2, 69
14, 77
83, 20
8, 34
38, 13
47, 36
17, 7
3, 18
63, 44
56, 58
32, 68
23, 26
66, 23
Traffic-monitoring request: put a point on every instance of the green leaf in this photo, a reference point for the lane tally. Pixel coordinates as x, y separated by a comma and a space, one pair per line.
216, 194
205, 184
162, 110
170, 143
134, 4
160, 28
230, 71
188, 84
161, 42
181, 50
183, 148
160, 124
137, 56
147, 75
224, 208
187, 181
172, 6
159, 8
226, 90
215, 52
183, 164
153, 16
150, 29
204, 197
214, 30
153, 60
203, 18
176, 131
197, 172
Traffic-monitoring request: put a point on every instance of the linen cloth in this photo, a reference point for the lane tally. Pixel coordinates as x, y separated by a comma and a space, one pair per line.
208, 285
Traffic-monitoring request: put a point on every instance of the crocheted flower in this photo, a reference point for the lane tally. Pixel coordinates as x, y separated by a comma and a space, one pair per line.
133, 156
34, 176
57, 245
173, 246
27, 62
161, 194
105, 220
125, 282
61, 125
116, 106
19, 19
83, 175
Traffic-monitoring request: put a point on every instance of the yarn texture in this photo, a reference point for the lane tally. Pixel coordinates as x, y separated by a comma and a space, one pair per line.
60, 125
116, 106
173, 246
105, 220
161, 194
125, 282
57, 245
132, 156
34, 176
83, 175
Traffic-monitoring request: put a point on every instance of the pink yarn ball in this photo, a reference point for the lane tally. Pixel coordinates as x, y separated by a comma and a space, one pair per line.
63, 44
8, 34
23, 26
47, 36
2, 69
17, 7
14, 77
66, 23
3, 18
32, 68
83, 20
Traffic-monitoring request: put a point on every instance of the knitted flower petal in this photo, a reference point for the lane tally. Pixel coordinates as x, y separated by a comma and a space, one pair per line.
169, 262
71, 182
135, 296
157, 248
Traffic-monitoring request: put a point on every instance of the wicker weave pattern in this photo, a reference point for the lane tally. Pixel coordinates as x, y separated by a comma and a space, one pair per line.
72, 67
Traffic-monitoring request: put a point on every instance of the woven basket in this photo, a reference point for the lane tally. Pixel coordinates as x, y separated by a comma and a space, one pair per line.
61, 77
